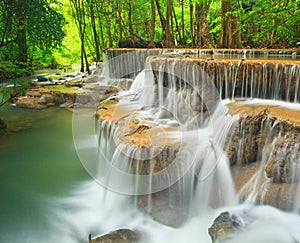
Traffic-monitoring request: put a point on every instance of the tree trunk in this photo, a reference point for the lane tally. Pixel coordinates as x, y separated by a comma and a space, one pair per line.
177, 27
82, 58
94, 28
22, 45
102, 40
183, 42
108, 26
230, 32
152, 26
162, 18
192, 23
130, 18
119, 19
21, 39
168, 30
202, 36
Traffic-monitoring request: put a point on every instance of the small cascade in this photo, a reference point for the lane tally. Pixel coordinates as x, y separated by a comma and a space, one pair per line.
235, 77
126, 63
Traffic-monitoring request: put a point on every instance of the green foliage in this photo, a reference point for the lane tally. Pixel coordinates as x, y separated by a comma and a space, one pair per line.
214, 22
48, 31
10, 70
30, 30
270, 22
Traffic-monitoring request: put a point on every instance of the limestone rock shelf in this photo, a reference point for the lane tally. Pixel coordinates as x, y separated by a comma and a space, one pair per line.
39, 98
137, 130
263, 149
265, 79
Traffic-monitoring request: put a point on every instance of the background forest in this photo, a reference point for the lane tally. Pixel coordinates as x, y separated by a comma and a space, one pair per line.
60, 33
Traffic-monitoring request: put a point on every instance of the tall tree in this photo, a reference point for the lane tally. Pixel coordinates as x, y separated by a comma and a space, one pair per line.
152, 25
30, 29
183, 41
192, 36
230, 32
91, 4
169, 32
79, 14
201, 26
161, 17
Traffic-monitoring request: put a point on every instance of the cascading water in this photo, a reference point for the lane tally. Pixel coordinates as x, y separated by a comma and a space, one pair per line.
163, 146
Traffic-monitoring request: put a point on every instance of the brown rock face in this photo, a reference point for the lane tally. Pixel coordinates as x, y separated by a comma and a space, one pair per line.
284, 156
272, 137
243, 142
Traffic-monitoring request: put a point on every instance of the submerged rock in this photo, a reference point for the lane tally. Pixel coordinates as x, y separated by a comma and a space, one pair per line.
117, 236
167, 207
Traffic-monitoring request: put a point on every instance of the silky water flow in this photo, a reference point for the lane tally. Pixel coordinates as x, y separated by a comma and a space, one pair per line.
172, 188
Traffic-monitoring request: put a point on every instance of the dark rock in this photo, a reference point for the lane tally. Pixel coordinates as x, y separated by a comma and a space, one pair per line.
117, 236
3, 126
138, 44
42, 78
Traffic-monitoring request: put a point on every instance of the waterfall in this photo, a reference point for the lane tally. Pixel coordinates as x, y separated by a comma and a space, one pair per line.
171, 141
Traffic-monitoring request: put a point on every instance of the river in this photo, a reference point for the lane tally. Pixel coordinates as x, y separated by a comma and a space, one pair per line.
38, 167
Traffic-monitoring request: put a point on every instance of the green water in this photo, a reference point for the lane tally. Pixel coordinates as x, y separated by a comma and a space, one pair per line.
38, 163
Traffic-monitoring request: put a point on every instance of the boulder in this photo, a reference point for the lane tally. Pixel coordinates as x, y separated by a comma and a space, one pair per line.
117, 236
30, 102
43, 98
223, 227
74, 82
42, 78
92, 94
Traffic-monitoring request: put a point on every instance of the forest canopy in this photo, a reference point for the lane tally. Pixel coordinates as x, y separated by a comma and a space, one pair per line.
62, 32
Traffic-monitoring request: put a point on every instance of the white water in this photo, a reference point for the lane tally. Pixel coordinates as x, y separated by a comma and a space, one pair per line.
204, 180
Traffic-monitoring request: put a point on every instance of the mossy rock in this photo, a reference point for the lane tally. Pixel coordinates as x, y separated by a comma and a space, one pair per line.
120, 236
223, 227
